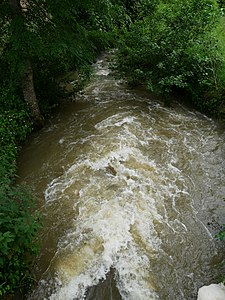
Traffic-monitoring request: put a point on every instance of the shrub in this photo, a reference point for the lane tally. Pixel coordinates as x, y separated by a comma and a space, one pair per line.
18, 227
15, 124
176, 48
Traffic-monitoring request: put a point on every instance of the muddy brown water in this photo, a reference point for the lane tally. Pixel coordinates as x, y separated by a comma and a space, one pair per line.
131, 193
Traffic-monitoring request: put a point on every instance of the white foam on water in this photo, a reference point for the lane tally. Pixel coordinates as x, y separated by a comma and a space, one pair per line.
129, 182
117, 196
115, 120
116, 212
103, 72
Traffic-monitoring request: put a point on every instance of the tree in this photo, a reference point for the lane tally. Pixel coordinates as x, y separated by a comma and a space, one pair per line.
17, 43
45, 37
39, 40
174, 47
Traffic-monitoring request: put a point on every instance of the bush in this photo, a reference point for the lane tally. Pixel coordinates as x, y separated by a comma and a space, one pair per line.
15, 124
18, 227
177, 48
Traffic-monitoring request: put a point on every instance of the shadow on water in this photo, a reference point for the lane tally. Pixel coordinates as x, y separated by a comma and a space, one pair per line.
104, 290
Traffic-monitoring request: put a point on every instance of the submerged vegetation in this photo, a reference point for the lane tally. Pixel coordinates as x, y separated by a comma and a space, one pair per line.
169, 46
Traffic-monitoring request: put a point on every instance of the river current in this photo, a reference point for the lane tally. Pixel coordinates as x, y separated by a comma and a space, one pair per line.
131, 191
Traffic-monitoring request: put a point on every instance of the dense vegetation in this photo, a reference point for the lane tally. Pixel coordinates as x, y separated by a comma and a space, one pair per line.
178, 46
40, 41
18, 228
169, 46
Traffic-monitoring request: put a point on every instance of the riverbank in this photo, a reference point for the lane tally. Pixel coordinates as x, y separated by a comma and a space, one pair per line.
111, 197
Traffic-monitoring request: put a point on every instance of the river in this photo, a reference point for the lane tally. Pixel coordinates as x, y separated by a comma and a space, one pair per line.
131, 191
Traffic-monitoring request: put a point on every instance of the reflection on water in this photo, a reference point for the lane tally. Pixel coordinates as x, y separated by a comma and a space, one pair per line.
132, 196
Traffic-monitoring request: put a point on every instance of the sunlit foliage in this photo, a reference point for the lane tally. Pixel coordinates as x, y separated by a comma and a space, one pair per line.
176, 46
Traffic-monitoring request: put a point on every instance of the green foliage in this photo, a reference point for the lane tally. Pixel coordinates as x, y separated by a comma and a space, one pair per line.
56, 37
17, 224
221, 234
14, 124
221, 3
18, 227
175, 47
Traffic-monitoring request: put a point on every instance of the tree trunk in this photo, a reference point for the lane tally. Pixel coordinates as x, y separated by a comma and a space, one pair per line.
15, 6
30, 95
27, 77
